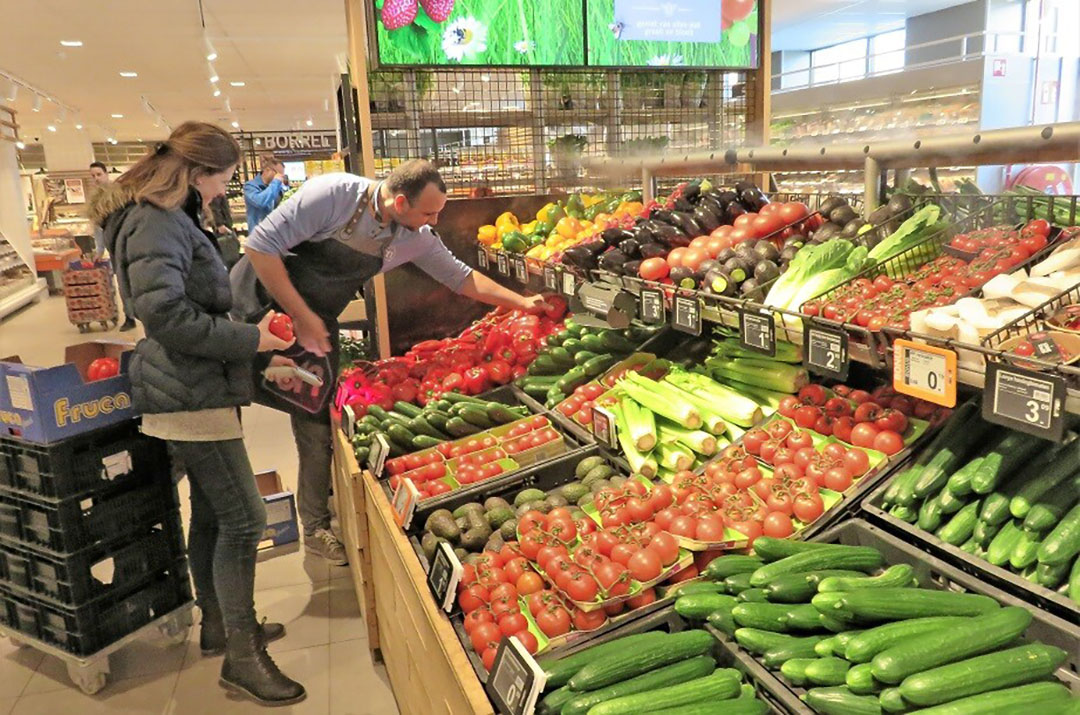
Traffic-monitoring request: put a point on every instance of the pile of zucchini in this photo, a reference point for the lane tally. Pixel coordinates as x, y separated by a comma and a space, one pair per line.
1003, 496
864, 643
409, 428
652, 672
577, 354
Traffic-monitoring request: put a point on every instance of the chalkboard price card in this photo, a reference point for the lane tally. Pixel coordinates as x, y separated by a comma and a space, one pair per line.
516, 680
757, 331
521, 269
444, 575
403, 503
603, 427
551, 279
687, 314
651, 310
482, 258
504, 263
569, 285
1025, 400
380, 448
826, 351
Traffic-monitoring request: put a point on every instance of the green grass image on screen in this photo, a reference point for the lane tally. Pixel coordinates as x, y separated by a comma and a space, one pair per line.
487, 32
737, 48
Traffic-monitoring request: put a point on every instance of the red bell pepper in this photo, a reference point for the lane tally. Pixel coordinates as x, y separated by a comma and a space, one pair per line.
476, 380
499, 371
405, 390
519, 371
557, 308
496, 340
453, 381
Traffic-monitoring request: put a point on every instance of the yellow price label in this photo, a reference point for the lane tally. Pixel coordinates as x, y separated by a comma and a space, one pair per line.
925, 371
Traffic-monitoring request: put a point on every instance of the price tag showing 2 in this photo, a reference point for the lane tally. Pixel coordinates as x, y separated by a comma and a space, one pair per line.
925, 371
826, 351
1025, 400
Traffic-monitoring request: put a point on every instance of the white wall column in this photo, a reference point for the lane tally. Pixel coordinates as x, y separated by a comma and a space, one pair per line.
12, 207
67, 149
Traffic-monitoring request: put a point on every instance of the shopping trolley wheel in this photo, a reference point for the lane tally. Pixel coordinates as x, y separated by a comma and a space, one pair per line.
175, 630
83, 327
104, 325
91, 678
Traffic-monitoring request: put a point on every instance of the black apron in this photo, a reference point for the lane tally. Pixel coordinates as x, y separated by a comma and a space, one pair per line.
328, 275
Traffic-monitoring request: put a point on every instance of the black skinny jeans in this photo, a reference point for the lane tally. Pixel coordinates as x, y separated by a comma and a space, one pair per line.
228, 519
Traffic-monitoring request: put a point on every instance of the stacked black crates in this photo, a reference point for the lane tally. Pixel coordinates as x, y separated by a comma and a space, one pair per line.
91, 545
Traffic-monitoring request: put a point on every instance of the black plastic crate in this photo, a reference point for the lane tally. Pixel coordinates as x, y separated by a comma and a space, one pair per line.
74, 524
85, 630
83, 464
96, 572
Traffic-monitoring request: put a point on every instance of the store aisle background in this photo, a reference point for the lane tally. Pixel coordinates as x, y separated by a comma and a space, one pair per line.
325, 648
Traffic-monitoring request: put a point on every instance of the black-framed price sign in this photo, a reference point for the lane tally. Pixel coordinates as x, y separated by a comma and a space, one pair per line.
1032, 402
569, 285
686, 314
603, 427
651, 309
516, 680
826, 351
444, 575
757, 331
551, 279
503, 262
380, 447
482, 258
521, 269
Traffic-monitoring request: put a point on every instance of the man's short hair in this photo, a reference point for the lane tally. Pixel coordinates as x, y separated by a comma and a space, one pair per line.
412, 177
268, 161
99, 165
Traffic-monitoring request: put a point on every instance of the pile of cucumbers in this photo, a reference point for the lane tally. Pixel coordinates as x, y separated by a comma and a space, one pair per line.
577, 354
1002, 496
863, 638
477, 526
653, 672
409, 428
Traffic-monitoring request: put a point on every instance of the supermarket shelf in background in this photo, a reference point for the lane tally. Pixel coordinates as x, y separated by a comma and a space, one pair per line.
33, 291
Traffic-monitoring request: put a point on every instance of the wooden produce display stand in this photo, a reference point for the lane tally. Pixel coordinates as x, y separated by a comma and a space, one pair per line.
428, 668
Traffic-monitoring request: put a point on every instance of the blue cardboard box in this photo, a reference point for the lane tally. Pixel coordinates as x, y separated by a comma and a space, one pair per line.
48, 404
282, 526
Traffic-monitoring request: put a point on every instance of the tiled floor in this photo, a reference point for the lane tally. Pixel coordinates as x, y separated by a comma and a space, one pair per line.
326, 645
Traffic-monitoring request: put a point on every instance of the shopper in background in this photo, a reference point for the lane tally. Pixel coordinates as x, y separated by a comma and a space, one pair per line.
99, 175
310, 258
217, 218
263, 193
189, 377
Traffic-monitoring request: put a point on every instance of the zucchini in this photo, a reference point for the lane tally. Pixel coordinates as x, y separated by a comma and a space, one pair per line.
1003, 460
723, 566
559, 671
401, 435
437, 419
573, 379
979, 635
630, 662
794, 669
770, 549
457, 397
1033, 697
560, 356
723, 684
752, 595
892, 701
458, 427
983, 534
930, 514
378, 413
860, 679
499, 413
1063, 543
1003, 543
863, 647
419, 425
959, 483
897, 603
800, 587
1058, 471
1026, 551
696, 587
758, 641
698, 606
857, 558
993, 671
951, 503
476, 415
737, 583
583, 356
615, 341
841, 701
690, 669
827, 671
765, 616
407, 408
896, 576
362, 454
598, 366
423, 441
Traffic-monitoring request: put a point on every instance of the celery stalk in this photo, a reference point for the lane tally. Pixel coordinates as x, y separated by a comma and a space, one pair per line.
675, 458
772, 375
651, 395
641, 424
731, 405
698, 441
638, 462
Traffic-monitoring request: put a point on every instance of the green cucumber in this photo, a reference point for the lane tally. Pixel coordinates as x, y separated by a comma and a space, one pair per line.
1003, 460
1063, 543
770, 549
959, 482
725, 684
904, 513
630, 662
800, 587
797, 648
803, 617
1003, 543
739, 706
1033, 697
721, 620
892, 604
930, 514
827, 646
1026, 552
841, 701
499, 413
1060, 469
857, 558
423, 441
758, 641
896, 576
752, 595
419, 425
560, 670
698, 606
1046, 515
407, 408
553, 702
951, 503
860, 679
1073, 590
723, 566
959, 529
892, 701
827, 671
458, 427
835, 623
957, 438
979, 635
983, 534
1051, 575
901, 491
993, 671
696, 587
794, 669
690, 669
737, 583
765, 616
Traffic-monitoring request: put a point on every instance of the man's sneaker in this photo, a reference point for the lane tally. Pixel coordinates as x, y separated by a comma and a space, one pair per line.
324, 543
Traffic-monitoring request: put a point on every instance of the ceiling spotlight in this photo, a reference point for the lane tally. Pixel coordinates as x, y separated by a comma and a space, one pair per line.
51, 128
309, 122
37, 103
112, 140
211, 53
20, 145
217, 92
117, 116
12, 91
78, 126
213, 73
71, 43
237, 84
129, 75
235, 124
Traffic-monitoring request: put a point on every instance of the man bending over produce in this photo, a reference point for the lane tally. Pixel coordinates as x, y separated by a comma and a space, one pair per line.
309, 259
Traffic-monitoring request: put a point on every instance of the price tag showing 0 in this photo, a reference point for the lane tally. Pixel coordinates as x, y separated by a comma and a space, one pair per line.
1025, 400
516, 680
925, 371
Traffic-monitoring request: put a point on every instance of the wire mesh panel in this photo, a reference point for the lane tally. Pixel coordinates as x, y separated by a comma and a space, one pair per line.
527, 131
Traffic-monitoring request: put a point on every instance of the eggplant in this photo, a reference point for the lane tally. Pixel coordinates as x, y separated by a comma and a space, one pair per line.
879, 215
830, 204
708, 220
718, 282
683, 204
851, 228
663, 217
683, 277
612, 260
841, 215
652, 249
612, 236
766, 271
686, 223
580, 257
717, 208
751, 199
726, 197
643, 233
767, 251
742, 186
631, 247
595, 246
898, 204
692, 190
672, 237
733, 211
630, 268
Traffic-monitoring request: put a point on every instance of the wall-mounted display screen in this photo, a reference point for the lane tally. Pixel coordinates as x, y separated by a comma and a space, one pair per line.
480, 32
672, 33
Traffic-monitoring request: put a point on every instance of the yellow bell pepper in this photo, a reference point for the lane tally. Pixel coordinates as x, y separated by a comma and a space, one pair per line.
487, 235
542, 214
529, 228
535, 251
568, 226
506, 223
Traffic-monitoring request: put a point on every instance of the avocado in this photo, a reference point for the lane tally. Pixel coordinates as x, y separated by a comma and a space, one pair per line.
735, 269
765, 271
466, 508
717, 281
879, 215
842, 215
428, 544
599, 484
573, 491
444, 526
539, 505
898, 204
521, 510
509, 529
495, 503
462, 523
751, 290
527, 495
585, 499
555, 500
826, 231
600, 471
851, 228
499, 516
461, 553
475, 538
437, 514
767, 251
495, 542
586, 465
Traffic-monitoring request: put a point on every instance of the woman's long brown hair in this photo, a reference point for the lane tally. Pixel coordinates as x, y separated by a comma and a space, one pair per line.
164, 177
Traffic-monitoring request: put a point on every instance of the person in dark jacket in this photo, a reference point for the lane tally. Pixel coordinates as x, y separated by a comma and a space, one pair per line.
189, 376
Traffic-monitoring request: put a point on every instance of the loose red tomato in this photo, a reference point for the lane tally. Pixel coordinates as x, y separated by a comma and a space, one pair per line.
553, 621
838, 479
808, 507
806, 416
888, 442
645, 565
653, 269
281, 325
778, 525
864, 434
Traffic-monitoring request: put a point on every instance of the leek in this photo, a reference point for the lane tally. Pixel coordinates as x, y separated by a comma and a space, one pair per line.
730, 348
768, 399
675, 458
698, 441
640, 423
662, 399
777, 376
638, 462
734, 432
719, 399
712, 420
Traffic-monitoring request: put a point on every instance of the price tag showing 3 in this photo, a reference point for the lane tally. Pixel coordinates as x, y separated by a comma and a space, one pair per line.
651, 309
925, 371
1025, 400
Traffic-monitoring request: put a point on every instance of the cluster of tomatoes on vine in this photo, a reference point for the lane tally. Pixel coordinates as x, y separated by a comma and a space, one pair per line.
488, 594
855, 419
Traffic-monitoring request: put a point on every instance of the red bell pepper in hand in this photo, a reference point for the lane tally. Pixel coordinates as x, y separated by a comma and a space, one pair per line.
499, 371
557, 308
476, 380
